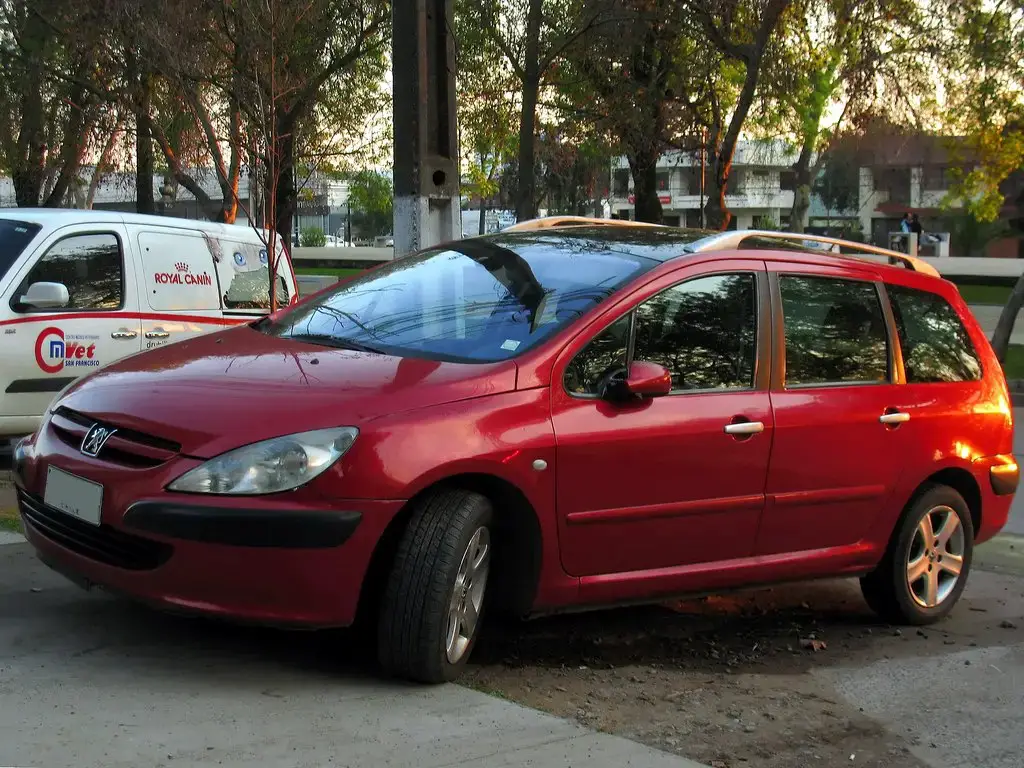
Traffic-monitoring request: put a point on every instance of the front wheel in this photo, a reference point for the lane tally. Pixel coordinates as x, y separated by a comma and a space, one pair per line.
430, 614
925, 568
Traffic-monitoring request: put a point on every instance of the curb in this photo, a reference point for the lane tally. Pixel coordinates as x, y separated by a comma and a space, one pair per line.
9, 537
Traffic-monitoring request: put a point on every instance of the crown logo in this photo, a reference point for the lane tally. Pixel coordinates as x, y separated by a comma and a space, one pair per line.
181, 266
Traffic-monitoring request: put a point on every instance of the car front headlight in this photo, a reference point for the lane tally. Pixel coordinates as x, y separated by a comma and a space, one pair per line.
272, 466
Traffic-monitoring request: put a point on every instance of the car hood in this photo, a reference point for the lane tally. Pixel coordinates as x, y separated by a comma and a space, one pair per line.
219, 391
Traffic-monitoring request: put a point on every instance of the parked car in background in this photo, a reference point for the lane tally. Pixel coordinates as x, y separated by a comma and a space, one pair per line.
82, 289
565, 415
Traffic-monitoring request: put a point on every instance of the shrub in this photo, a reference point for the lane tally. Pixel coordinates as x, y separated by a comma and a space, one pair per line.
312, 237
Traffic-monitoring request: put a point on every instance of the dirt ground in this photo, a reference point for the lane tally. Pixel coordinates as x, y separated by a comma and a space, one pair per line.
730, 681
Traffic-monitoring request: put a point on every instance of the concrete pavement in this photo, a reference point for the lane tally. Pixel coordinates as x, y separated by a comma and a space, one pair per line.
86, 680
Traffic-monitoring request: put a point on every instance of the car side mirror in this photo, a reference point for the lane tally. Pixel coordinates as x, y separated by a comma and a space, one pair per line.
648, 380
46, 296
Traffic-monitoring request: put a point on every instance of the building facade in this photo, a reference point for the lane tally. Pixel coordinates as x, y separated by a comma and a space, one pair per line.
760, 188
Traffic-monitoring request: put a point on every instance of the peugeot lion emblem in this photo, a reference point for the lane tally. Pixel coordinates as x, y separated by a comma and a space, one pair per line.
95, 439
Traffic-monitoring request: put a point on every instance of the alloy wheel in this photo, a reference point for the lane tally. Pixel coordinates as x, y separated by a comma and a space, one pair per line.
467, 597
935, 559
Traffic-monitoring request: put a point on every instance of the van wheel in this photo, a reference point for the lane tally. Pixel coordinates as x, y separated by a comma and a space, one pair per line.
430, 613
925, 567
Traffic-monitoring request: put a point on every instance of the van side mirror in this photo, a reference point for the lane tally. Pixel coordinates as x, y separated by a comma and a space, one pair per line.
46, 296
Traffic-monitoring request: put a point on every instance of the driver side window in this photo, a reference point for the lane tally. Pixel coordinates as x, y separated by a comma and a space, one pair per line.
704, 331
602, 357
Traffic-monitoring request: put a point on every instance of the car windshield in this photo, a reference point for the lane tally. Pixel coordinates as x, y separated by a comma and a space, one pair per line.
14, 236
475, 301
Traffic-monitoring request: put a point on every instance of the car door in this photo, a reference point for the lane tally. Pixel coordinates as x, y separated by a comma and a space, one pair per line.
179, 285
679, 479
839, 437
46, 349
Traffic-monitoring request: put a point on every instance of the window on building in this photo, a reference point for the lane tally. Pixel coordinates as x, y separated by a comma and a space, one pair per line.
89, 266
664, 180
620, 182
935, 344
787, 181
835, 332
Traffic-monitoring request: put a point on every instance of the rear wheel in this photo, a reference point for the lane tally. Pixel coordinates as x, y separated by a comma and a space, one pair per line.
925, 567
431, 610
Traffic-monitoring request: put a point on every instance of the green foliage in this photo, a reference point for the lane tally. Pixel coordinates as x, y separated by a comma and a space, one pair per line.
312, 237
371, 197
838, 182
983, 62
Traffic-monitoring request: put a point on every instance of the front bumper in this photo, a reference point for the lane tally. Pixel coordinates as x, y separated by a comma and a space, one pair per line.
299, 560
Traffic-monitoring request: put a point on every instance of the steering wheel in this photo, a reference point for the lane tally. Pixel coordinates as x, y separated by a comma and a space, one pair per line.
613, 375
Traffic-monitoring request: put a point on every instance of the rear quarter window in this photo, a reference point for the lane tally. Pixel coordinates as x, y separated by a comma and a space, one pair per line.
936, 346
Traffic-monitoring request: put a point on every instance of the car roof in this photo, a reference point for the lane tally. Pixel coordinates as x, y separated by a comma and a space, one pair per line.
60, 217
663, 243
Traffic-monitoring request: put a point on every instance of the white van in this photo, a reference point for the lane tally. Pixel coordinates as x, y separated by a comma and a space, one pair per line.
81, 289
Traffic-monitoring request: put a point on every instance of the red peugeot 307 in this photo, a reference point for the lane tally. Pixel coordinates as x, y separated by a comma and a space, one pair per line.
552, 417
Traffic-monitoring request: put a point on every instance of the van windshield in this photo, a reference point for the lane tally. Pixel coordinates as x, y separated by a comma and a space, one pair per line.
14, 236
476, 301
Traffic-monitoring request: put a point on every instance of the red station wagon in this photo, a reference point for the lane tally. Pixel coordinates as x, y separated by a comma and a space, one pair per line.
548, 418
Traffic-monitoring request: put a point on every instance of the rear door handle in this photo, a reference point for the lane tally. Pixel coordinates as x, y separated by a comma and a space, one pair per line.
159, 333
124, 333
895, 417
744, 428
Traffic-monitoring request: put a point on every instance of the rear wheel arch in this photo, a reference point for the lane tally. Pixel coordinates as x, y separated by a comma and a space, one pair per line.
960, 480
518, 545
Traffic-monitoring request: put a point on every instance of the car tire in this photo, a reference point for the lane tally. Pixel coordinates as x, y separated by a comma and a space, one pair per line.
915, 584
432, 605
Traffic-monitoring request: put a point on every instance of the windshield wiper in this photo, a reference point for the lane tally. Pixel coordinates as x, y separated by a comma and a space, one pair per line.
333, 341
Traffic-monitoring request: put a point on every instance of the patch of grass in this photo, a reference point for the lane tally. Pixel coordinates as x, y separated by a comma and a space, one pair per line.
985, 294
10, 521
1014, 363
331, 271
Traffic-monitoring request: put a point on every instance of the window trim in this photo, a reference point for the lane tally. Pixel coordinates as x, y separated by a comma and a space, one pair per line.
894, 368
762, 340
13, 302
967, 332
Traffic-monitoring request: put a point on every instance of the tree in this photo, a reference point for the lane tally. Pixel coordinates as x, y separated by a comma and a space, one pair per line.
740, 30
640, 83
848, 57
371, 197
488, 116
983, 62
53, 96
533, 36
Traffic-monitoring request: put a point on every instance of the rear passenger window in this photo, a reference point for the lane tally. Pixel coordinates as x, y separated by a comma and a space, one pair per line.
935, 344
835, 332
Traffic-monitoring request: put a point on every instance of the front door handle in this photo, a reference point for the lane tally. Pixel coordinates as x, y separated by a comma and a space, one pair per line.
894, 417
158, 333
744, 428
124, 333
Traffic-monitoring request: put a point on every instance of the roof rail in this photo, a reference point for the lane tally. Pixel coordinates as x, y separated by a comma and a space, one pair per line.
546, 222
735, 238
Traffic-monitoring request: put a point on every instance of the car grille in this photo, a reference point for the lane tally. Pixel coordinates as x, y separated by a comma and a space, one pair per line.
125, 447
100, 543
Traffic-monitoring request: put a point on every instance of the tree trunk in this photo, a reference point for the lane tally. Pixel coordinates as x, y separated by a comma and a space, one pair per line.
526, 196
716, 213
647, 206
1007, 318
145, 162
28, 171
482, 228
285, 196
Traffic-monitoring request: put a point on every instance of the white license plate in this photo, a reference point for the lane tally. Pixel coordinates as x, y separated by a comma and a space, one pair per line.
74, 495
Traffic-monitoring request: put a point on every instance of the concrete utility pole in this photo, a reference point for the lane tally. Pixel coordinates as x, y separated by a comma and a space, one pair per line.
426, 168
